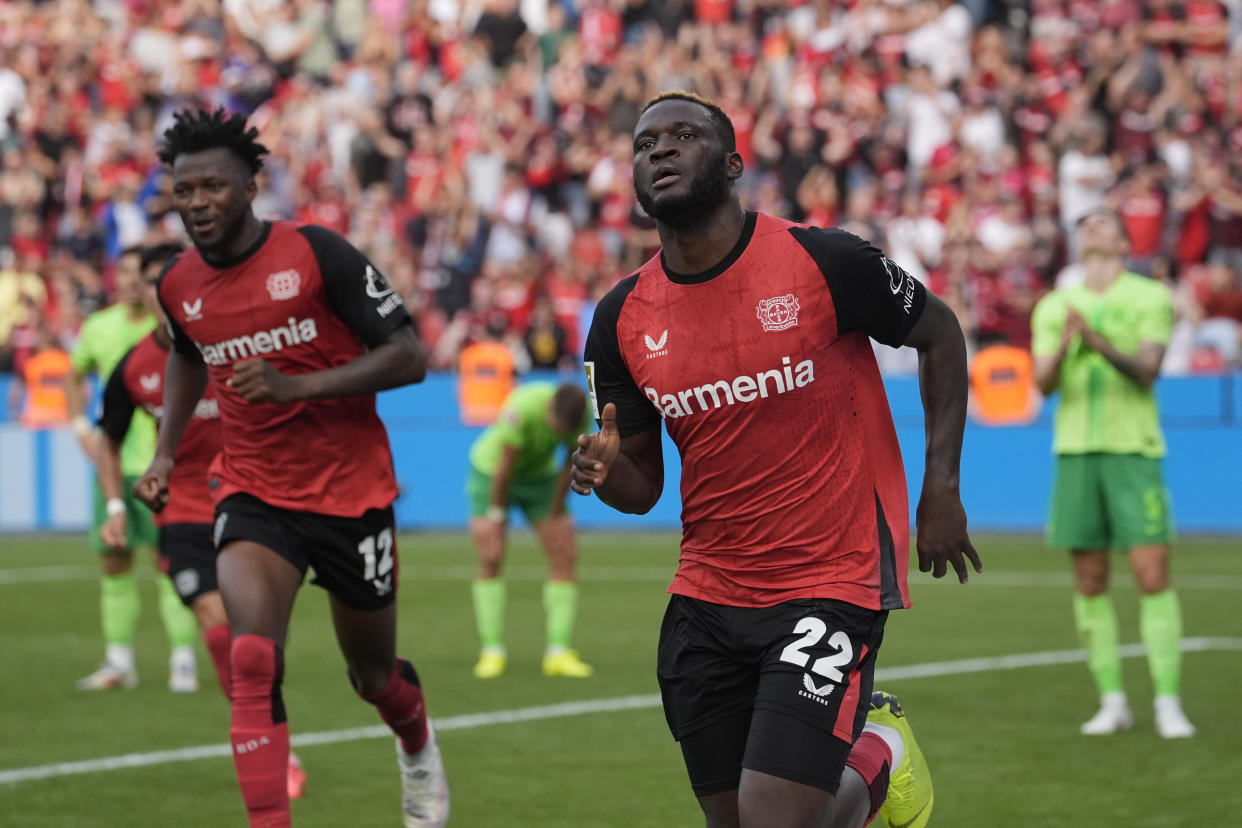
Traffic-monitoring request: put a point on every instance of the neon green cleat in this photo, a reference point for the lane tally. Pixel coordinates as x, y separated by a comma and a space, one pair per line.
910, 794
567, 665
491, 665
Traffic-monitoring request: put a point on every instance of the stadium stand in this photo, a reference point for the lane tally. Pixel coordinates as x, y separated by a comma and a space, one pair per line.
479, 152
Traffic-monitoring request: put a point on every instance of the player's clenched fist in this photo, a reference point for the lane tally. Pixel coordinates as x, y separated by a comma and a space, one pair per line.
152, 487
256, 380
596, 453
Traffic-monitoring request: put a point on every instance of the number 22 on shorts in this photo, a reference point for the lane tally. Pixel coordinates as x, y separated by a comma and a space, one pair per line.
812, 631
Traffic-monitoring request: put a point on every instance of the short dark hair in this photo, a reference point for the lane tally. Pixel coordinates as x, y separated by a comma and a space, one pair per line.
160, 253
132, 250
721, 122
196, 130
569, 405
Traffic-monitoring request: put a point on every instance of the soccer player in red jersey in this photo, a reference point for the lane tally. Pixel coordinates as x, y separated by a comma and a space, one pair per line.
296, 331
186, 550
748, 336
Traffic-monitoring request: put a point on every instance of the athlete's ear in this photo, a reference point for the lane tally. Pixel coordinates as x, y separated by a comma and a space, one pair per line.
252, 189
734, 166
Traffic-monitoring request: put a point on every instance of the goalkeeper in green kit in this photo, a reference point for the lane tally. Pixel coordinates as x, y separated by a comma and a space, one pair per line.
514, 462
1100, 344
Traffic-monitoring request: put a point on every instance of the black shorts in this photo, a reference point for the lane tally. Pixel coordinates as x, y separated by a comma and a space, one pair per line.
188, 557
355, 559
782, 690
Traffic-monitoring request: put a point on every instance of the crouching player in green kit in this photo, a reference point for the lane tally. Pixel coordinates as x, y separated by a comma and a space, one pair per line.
514, 463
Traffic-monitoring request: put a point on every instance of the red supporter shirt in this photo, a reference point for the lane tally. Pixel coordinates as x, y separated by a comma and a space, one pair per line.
138, 380
761, 368
305, 300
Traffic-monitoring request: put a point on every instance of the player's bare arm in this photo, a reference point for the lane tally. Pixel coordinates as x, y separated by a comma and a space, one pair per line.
1048, 368
75, 401
562, 487
399, 360
944, 383
185, 379
111, 483
1142, 368
627, 473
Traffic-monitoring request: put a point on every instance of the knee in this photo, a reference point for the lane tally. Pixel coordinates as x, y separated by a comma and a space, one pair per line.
116, 563
371, 678
257, 666
1091, 584
1152, 581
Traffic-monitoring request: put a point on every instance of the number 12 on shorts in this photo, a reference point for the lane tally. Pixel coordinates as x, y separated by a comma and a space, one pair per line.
812, 631
368, 549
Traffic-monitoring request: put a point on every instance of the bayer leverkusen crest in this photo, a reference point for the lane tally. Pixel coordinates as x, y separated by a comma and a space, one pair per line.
778, 313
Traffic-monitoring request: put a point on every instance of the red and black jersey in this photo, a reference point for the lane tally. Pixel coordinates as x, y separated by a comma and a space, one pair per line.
138, 380
761, 368
305, 300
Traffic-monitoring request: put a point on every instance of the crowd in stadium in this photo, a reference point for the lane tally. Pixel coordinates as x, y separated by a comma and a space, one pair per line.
479, 151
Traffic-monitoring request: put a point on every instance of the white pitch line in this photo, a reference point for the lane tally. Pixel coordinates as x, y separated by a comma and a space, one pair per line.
471, 721
656, 574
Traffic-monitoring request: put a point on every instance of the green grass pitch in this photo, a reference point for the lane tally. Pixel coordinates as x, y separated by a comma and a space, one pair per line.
1003, 744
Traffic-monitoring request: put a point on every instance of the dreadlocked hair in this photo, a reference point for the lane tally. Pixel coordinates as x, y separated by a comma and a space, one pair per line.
724, 127
196, 130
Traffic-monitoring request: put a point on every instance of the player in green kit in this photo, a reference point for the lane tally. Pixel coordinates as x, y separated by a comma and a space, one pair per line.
1100, 344
514, 463
105, 337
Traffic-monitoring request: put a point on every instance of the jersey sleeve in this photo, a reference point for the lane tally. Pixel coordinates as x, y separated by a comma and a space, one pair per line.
1046, 327
608, 378
83, 359
870, 293
357, 292
1156, 318
509, 425
181, 342
118, 405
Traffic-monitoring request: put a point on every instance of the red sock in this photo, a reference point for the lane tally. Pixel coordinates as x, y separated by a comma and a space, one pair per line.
872, 758
259, 734
400, 705
219, 642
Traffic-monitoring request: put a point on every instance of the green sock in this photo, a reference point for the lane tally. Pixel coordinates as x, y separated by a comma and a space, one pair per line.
1160, 625
560, 602
489, 611
1096, 620
119, 607
179, 621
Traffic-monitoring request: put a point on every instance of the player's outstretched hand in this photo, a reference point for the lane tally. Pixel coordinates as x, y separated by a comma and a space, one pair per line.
596, 453
152, 487
942, 536
257, 381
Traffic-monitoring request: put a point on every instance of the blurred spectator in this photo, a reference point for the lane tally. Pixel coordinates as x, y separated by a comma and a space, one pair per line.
38, 398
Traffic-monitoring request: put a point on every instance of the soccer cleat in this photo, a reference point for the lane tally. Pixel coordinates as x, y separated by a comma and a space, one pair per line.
910, 794
107, 677
490, 665
1171, 721
183, 677
295, 777
566, 664
1112, 717
424, 787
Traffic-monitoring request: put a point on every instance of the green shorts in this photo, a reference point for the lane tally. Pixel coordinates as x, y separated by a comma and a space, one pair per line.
140, 529
1109, 501
533, 497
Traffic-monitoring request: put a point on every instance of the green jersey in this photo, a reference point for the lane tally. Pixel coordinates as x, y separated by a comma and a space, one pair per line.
105, 337
1101, 409
523, 424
